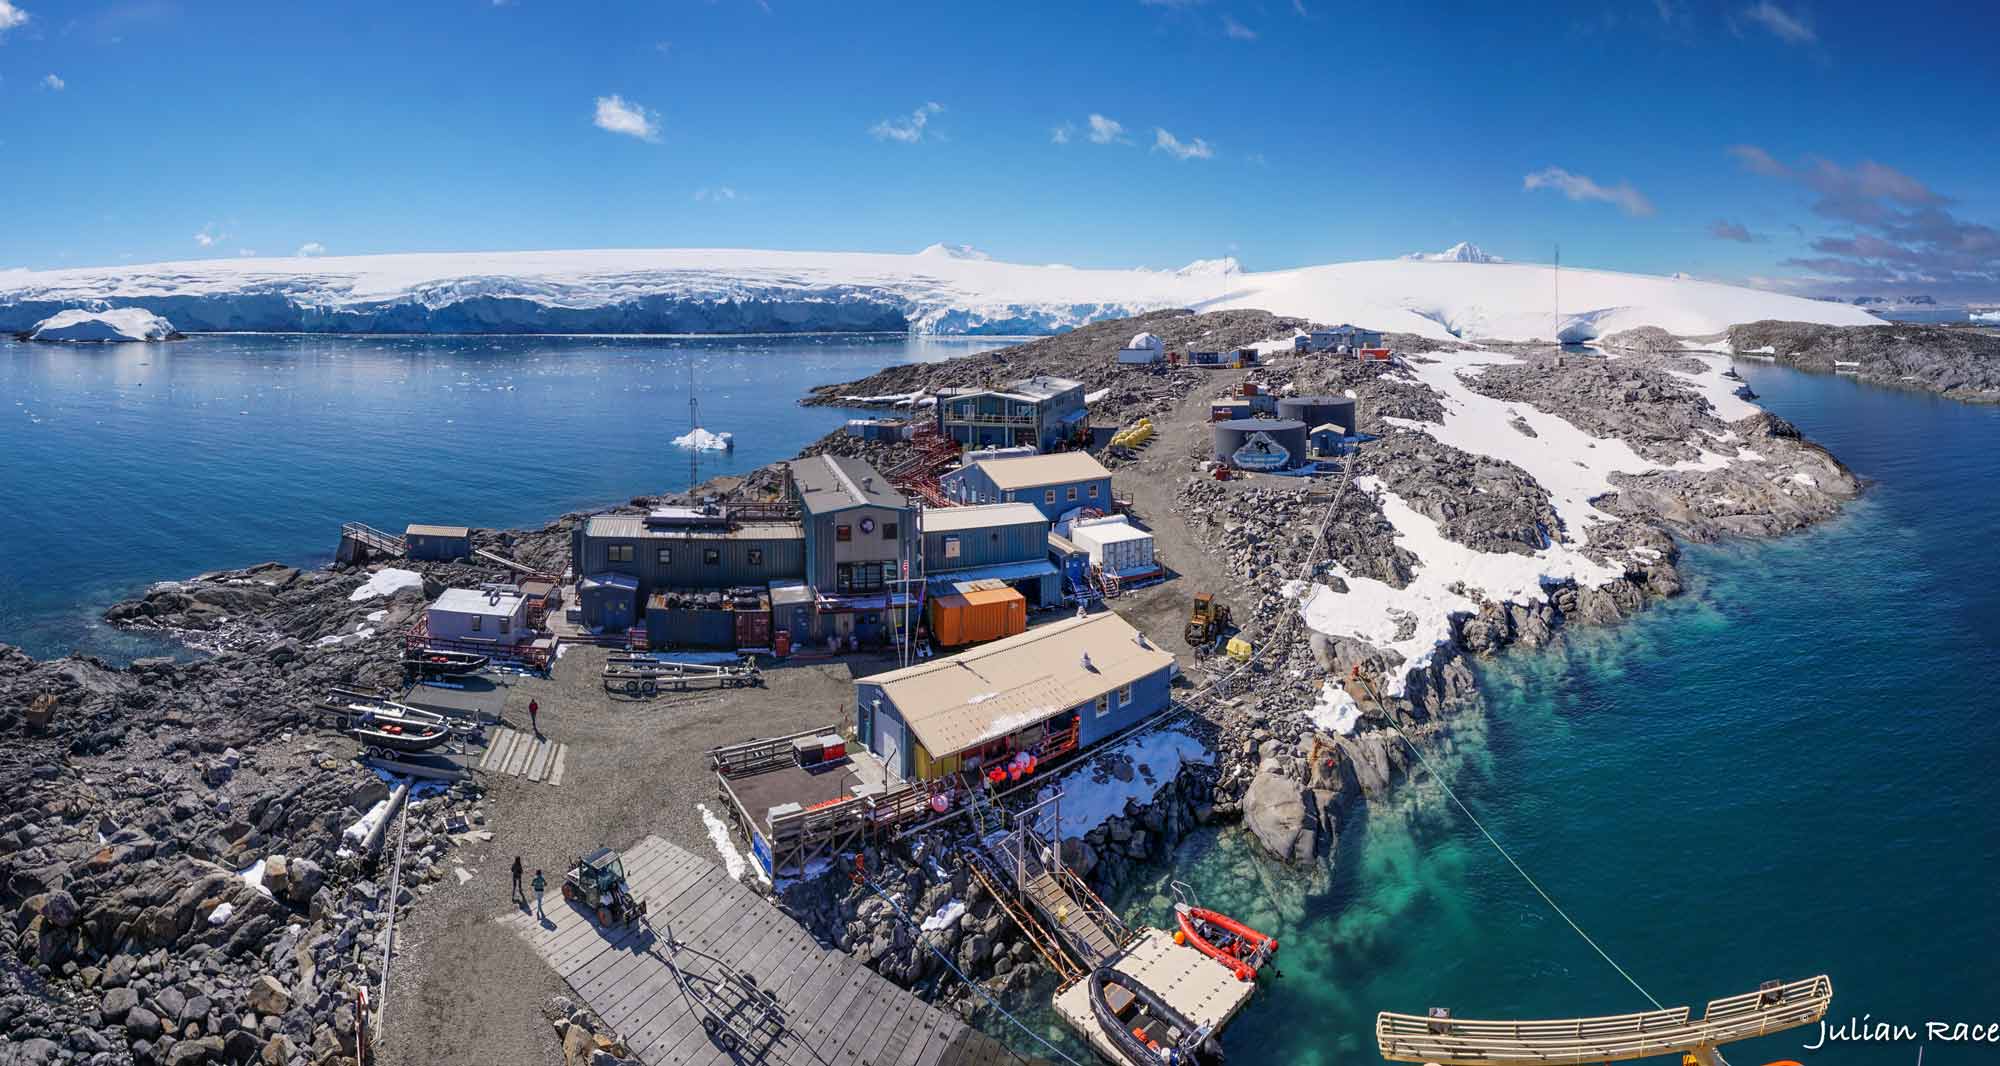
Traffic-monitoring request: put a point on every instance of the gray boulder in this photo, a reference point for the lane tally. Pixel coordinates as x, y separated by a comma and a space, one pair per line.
1283, 815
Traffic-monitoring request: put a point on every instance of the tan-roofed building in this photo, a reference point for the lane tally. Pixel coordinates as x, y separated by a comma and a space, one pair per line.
437, 543
1065, 685
1063, 481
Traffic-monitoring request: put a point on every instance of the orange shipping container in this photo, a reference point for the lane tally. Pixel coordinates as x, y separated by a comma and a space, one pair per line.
971, 617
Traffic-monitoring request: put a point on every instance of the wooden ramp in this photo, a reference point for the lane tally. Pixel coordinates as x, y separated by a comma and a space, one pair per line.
750, 972
1611, 1038
512, 753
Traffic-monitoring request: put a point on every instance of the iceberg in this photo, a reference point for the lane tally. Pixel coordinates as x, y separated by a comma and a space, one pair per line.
701, 440
112, 326
943, 290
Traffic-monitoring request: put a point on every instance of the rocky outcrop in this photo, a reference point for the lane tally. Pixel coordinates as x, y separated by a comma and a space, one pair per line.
1961, 362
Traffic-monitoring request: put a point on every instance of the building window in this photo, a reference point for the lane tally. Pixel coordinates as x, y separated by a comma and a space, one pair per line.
506, 626
1125, 696
951, 547
756, 556
1093, 490
1072, 494
619, 553
665, 556
843, 533
711, 556
888, 531
1048, 496
858, 577
1103, 704
477, 623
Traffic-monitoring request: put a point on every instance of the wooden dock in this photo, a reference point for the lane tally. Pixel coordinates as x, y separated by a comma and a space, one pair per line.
770, 992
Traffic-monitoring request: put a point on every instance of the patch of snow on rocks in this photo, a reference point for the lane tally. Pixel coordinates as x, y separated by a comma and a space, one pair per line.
1335, 711
733, 861
386, 582
1412, 621
1155, 757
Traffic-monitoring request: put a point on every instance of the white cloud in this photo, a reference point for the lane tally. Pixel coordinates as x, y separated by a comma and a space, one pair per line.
1061, 134
310, 249
1106, 130
246, 252
715, 194
210, 235
11, 16
615, 115
1787, 26
1578, 187
1174, 146
1236, 30
907, 130
53, 83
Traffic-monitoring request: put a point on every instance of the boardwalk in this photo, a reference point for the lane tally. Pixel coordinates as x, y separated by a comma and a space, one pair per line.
513, 753
751, 973
1088, 933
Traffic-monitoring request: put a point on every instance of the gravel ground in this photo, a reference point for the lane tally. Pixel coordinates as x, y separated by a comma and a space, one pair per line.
473, 991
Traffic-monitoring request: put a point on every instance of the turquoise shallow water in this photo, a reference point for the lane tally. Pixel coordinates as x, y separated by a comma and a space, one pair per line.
122, 465
1789, 770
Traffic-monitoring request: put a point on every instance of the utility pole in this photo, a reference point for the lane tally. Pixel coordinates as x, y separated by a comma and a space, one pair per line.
694, 423
1555, 322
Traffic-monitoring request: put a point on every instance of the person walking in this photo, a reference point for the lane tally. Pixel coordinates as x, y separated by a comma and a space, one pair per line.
534, 710
541, 884
520, 894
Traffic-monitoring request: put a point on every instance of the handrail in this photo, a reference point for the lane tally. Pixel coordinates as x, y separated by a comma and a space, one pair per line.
1478, 1042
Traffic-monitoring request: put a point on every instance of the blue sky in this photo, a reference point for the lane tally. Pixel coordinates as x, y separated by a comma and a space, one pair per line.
1826, 147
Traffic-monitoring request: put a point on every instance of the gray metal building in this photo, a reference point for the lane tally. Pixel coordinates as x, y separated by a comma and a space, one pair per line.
437, 543
1005, 541
857, 527
679, 549
1041, 411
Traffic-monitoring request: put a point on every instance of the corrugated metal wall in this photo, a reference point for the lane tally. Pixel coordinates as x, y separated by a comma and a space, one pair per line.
987, 546
1149, 697
784, 558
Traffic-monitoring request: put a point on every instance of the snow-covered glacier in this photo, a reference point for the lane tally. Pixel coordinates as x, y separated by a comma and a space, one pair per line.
943, 289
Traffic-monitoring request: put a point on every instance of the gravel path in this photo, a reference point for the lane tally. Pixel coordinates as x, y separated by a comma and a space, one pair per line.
470, 990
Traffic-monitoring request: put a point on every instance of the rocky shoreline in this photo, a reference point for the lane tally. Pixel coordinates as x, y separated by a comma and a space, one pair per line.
1957, 362
133, 814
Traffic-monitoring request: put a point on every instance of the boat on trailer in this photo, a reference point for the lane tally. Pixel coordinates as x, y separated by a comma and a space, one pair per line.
1237, 946
437, 662
1143, 1027
387, 730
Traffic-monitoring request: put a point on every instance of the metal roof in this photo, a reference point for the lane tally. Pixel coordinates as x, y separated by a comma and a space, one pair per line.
953, 703
829, 483
981, 516
1029, 471
1102, 533
1043, 386
419, 530
634, 527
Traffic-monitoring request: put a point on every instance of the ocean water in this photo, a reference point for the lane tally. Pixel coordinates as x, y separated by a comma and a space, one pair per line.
122, 465
1789, 770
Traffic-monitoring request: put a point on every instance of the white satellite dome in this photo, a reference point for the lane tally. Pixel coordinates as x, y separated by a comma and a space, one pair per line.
1146, 340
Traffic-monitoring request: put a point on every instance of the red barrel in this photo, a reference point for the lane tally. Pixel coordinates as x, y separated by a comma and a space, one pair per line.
781, 643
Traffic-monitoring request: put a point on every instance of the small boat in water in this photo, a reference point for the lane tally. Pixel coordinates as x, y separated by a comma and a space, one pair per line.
1242, 949
434, 662
1143, 1027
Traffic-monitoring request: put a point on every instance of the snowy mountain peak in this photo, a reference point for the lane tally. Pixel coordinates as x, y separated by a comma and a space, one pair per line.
1462, 252
1211, 268
955, 251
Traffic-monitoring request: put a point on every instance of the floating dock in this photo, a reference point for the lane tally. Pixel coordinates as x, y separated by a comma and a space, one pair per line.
1201, 989
719, 975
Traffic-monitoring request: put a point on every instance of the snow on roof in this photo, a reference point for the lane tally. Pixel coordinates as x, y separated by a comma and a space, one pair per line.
476, 601
1028, 471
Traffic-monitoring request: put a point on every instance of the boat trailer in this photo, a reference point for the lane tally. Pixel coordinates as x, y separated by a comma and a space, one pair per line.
643, 676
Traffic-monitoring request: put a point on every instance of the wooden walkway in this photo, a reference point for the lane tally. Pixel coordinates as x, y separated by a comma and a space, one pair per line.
1079, 926
750, 970
512, 753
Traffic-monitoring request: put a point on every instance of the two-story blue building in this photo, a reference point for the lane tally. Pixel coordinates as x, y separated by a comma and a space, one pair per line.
1055, 689
1055, 483
1041, 412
